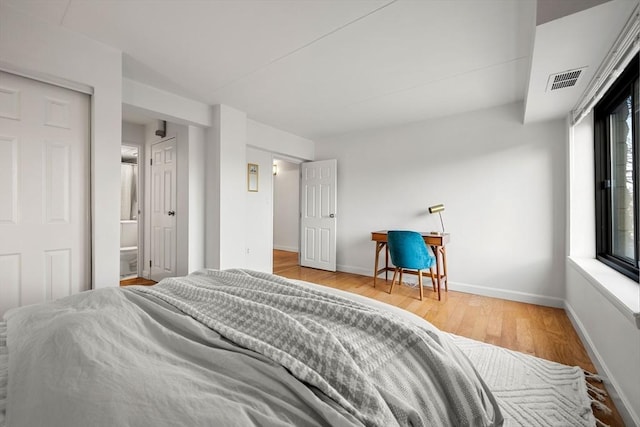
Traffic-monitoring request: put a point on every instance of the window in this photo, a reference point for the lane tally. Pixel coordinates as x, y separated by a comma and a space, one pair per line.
617, 119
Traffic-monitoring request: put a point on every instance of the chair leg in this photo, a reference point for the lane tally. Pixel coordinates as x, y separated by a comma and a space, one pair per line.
433, 281
395, 272
420, 282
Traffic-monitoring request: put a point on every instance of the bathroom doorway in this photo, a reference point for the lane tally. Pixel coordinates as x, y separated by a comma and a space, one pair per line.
129, 212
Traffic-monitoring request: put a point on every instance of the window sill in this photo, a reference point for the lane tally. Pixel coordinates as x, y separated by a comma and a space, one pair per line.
621, 291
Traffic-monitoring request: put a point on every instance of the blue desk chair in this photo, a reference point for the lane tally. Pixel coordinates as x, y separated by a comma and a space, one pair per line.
409, 251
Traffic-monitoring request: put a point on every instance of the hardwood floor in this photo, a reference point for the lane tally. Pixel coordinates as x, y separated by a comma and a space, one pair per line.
137, 281
543, 332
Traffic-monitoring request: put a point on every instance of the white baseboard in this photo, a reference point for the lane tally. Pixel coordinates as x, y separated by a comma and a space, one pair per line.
507, 294
354, 270
286, 248
476, 290
619, 399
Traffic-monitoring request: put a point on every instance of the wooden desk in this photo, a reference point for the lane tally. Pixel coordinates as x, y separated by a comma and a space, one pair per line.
437, 242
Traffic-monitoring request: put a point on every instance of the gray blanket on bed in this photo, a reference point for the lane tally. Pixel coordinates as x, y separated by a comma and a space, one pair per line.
382, 370
232, 348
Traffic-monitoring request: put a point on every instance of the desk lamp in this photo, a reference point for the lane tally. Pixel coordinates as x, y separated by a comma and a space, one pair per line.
438, 209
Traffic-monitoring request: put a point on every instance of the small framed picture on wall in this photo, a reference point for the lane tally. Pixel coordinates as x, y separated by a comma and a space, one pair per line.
252, 177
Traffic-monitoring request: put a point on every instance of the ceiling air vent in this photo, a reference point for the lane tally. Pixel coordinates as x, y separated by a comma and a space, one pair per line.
564, 79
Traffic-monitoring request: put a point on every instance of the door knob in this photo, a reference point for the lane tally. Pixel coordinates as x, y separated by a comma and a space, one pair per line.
332, 215
171, 213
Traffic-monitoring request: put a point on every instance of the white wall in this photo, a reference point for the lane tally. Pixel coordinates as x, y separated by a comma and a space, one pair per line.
279, 142
133, 134
612, 340
182, 196
602, 304
259, 215
226, 185
502, 184
162, 105
581, 209
286, 206
196, 177
40, 49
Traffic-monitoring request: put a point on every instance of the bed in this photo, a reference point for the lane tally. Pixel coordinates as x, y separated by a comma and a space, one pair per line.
233, 347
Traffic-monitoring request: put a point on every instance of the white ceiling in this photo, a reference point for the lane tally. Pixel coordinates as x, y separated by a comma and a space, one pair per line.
321, 67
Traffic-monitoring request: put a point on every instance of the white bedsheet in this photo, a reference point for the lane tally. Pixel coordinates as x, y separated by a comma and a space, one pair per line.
112, 358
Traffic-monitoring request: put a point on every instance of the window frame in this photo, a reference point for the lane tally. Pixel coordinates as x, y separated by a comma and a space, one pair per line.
621, 89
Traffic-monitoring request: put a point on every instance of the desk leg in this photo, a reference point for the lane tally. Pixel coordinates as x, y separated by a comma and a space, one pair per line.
379, 246
436, 252
444, 267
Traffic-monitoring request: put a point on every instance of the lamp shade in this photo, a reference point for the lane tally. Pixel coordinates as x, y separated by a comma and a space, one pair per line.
436, 208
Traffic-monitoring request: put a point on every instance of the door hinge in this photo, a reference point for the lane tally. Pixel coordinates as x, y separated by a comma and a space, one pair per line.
149, 263
151, 162
606, 184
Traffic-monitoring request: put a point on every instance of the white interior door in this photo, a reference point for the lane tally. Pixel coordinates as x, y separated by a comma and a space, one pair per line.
163, 209
45, 237
318, 205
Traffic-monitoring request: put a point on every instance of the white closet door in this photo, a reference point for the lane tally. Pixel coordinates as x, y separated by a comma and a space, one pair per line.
45, 250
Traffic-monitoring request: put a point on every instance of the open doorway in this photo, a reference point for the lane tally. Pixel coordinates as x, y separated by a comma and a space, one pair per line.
286, 206
129, 212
